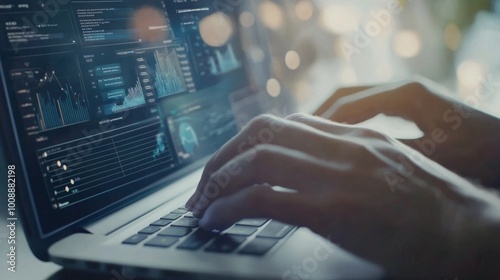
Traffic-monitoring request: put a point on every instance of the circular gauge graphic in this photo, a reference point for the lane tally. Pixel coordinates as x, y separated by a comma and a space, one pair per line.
188, 138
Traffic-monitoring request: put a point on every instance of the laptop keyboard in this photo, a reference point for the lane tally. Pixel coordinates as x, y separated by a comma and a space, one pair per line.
167, 232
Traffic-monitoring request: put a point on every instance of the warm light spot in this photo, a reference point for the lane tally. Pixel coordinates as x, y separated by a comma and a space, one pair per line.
72, 181
59, 163
216, 29
452, 36
65, 167
292, 60
45, 154
339, 19
273, 87
304, 10
470, 73
150, 25
66, 189
407, 44
247, 19
272, 15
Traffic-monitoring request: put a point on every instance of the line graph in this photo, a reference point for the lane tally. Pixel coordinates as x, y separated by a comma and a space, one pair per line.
62, 108
49, 92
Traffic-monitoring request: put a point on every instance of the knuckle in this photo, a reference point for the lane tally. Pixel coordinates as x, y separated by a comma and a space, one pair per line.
373, 134
261, 121
298, 117
416, 87
263, 152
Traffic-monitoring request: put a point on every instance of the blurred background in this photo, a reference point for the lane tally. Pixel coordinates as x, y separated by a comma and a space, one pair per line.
318, 46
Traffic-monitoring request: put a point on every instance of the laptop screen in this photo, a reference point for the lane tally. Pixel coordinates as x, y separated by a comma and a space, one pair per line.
108, 97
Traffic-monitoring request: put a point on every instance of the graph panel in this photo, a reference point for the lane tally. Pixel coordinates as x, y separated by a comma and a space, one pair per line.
117, 158
133, 97
169, 78
118, 81
49, 92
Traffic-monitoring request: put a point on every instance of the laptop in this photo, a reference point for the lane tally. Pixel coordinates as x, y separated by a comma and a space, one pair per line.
110, 109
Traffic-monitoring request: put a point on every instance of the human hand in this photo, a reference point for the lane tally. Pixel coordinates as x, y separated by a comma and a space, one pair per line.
423, 225
457, 136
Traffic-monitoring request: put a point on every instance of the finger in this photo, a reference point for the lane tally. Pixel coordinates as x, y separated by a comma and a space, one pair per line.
411, 143
259, 202
268, 164
348, 132
321, 124
336, 96
269, 130
394, 100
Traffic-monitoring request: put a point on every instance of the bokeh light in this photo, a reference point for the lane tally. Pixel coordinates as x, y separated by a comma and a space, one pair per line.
273, 87
150, 25
452, 36
271, 15
292, 60
470, 73
216, 29
407, 44
247, 19
339, 19
304, 10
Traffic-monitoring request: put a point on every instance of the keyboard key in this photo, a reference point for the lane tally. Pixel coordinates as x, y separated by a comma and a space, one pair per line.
225, 244
186, 222
252, 222
189, 215
259, 246
179, 211
135, 239
275, 229
161, 242
175, 231
171, 216
150, 230
161, 223
241, 230
197, 240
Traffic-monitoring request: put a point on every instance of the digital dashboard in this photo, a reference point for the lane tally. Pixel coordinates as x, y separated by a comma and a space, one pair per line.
108, 97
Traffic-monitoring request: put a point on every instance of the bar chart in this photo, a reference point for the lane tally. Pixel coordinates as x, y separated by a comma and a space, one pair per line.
57, 109
169, 75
